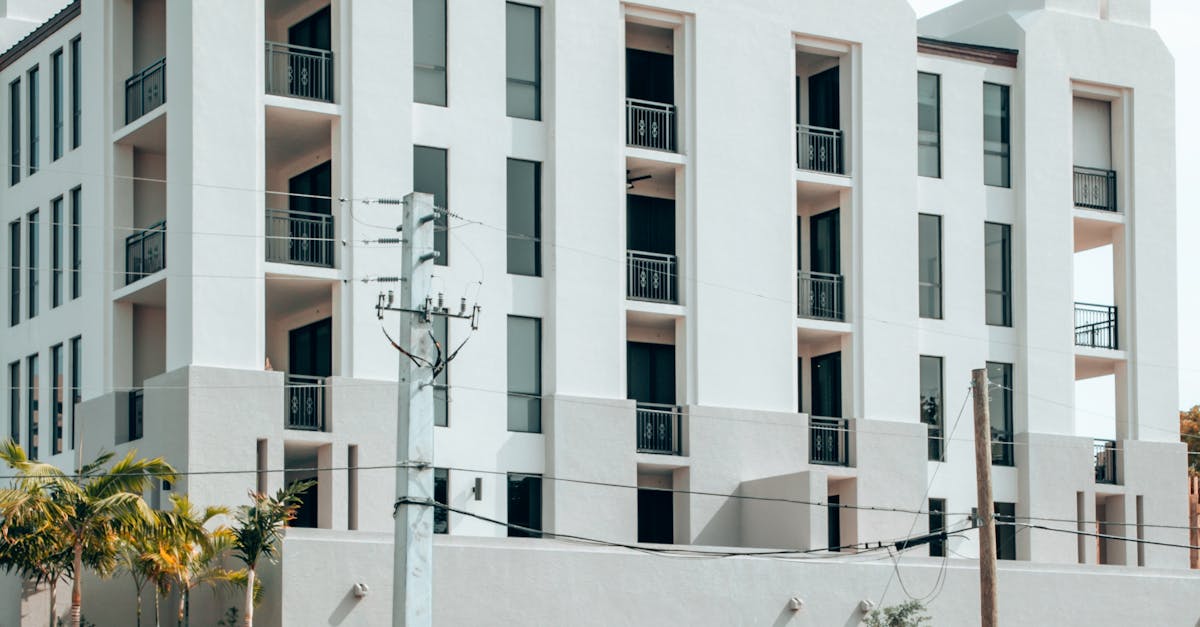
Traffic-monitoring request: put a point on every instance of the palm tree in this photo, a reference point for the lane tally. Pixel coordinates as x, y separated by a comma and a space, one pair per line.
32, 544
190, 554
98, 507
258, 532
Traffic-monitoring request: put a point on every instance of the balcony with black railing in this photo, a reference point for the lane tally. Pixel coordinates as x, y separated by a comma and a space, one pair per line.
829, 441
820, 296
1104, 453
146, 90
819, 149
299, 71
652, 277
300, 237
1095, 189
1096, 326
304, 402
650, 124
145, 252
659, 429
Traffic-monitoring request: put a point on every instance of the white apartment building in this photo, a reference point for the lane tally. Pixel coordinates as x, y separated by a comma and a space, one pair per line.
746, 251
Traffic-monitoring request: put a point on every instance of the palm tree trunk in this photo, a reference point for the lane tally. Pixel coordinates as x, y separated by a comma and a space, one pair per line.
77, 584
182, 600
249, 619
139, 605
157, 612
53, 588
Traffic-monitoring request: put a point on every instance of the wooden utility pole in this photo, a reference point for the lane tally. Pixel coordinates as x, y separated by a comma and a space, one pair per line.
989, 614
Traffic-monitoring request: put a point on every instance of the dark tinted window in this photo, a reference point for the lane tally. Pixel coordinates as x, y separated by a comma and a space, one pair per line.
929, 265
430, 177
524, 374
524, 61
524, 217
996, 148
1000, 376
997, 240
429, 52
931, 405
525, 505
929, 125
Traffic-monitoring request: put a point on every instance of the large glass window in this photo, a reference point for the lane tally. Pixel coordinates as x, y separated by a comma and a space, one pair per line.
32, 263
76, 384
525, 505
14, 272
996, 169
56, 380
1006, 531
932, 413
76, 244
14, 401
524, 374
929, 125
997, 241
441, 389
14, 132
1000, 378
441, 494
31, 405
937, 522
524, 217
34, 122
430, 177
56, 252
76, 96
929, 265
524, 61
429, 52
56, 104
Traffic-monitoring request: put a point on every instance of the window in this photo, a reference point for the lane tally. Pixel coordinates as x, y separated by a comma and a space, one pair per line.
929, 125
56, 380
997, 242
14, 401
524, 505
996, 170
56, 104
32, 262
524, 61
14, 272
31, 405
76, 384
441, 389
76, 96
937, 522
1006, 531
441, 494
929, 265
430, 177
931, 405
524, 217
524, 374
76, 245
56, 252
34, 111
1000, 378
429, 52
14, 132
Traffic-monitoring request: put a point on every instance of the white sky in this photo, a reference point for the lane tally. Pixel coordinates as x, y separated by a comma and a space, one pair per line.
1176, 22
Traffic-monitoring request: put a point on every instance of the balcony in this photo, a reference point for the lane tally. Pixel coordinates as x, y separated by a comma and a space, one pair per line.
820, 295
305, 402
299, 71
1096, 326
652, 277
145, 252
1095, 189
829, 441
146, 90
650, 124
819, 149
659, 429
1105, 454
300, 237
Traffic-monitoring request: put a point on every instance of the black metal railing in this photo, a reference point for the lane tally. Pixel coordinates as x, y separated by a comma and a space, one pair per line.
1105, 454
650, 124
136, 413
1002, 447
146, 90
1095, 188
819, 149
300, 237
651, 276
299, 71
1096, 326
820, 296
829, 441
659, 429
305, 398
145, 252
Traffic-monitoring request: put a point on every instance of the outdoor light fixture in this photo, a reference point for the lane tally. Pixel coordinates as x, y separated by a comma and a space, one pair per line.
795, 604
360, 590
630, 180
866, 605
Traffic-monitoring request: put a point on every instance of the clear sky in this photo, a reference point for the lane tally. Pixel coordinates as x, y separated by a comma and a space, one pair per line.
1176, 22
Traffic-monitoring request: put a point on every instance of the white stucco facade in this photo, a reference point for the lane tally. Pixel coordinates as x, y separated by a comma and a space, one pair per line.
209, 339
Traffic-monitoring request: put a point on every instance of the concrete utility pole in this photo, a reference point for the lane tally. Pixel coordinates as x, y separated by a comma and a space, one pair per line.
412, 584
986, 509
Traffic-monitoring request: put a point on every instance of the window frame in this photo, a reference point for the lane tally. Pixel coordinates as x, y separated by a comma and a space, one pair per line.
937, 132
1002, 445
76, 195
76, 383
34, 138
533, 397
1004, 152
439, 70
441, 222
56, 398
56, 252
536, 83
1005, 530
32, 401
937, 509
14, 273
514, 238
441, 383
1005, 291
56, 105
14, 132
936, 287
76, 93
533, 487
441, 514
936, 443
33, 250
14, 400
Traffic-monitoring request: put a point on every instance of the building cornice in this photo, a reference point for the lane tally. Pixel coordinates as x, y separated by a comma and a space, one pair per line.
1003, 57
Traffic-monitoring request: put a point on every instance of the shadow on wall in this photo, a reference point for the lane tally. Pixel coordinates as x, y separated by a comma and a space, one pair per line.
723, 527
344, 607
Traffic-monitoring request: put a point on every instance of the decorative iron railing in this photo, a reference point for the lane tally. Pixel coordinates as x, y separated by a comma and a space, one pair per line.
652, 276
820, 296
299, 71
305, 398
300, 237
829, 441
819, 149
650, 124
1105, 454
145, 252
660, 429
146, 90
1095, 188
1096, 326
